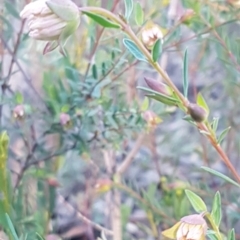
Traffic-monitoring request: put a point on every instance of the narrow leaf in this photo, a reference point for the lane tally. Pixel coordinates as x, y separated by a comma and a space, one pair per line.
217, 209
197, 203
101, 20
226, 178
128, 8
131, 46
185, 74
215, 124
202, 103
139, 14
231, 235
159, 97
223, 135
145, 104
11, 228
157, 50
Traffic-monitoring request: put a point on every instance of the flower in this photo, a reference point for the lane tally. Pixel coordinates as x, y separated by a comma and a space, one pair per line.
51, 20
150, 34
191, 227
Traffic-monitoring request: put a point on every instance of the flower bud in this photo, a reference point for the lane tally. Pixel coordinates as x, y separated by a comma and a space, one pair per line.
197, 113
188, 14
158, 86
19, 112
51, 20
151, 118
150, 34
103, 185
65, 120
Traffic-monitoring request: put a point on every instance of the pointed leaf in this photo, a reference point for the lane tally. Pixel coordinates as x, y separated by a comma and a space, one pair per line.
217, 209
172, 232
185, 74
226, 178
202, 103
101, 20
131, 46
215, 124
223, 135
197, 203
231, 235
139, 14
128, 8
157, 50
11, 227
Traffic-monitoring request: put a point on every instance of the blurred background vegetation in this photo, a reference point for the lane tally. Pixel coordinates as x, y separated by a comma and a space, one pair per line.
72, 121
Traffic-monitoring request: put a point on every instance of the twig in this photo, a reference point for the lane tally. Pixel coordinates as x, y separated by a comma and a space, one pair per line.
85, 219
129, 158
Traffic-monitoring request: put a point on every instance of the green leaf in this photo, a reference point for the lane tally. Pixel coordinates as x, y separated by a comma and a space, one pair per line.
131, 46
159, 97
217, 209
197, 203
212, 235
145, 104
223, 135
202, 103
39, 236
19, 98
101, 20
215, 124
94, 71
185, 74
231, 235
11, 9
128, 8
157, 50
226, 178
11, 227
139, 14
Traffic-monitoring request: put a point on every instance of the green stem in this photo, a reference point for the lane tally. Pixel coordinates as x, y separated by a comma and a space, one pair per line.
214, 227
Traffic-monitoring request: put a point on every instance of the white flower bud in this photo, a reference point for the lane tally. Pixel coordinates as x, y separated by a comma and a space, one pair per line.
51, 20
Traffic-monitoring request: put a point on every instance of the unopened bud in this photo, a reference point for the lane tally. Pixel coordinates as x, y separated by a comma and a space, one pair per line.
150, 34
19, 112
158, 86
151, 118
65, 120
103, 185
188, 14
197, 113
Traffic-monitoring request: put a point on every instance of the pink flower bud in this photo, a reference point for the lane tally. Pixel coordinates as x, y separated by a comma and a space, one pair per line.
19, 112
65, 120
158, 86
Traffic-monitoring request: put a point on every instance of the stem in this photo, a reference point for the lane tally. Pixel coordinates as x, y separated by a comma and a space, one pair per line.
201, 126
214, 227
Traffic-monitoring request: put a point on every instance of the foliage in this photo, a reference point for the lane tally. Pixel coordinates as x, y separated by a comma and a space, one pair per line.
85, 142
